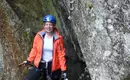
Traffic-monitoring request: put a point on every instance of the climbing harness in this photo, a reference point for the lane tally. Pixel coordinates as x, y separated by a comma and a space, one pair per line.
48, 76
35, 70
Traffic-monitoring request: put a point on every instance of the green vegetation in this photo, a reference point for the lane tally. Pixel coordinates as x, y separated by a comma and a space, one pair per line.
25, 34
29, 11
89, 5
128, 77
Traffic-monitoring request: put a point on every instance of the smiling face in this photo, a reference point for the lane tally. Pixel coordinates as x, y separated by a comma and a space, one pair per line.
48, 26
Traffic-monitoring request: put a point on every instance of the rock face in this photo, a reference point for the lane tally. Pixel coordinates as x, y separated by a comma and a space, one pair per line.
96, 34
1, 50
101, 28
1, 61
12, 40
20, 22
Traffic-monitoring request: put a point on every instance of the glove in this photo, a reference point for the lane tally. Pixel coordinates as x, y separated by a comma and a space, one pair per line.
26, 62
64, 75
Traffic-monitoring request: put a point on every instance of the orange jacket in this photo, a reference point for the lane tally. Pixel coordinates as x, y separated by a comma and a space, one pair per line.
58, 61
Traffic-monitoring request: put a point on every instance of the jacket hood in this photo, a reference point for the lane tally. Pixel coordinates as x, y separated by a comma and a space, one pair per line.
56, 33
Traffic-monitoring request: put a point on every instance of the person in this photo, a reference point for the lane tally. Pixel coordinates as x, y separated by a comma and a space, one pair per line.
47, 53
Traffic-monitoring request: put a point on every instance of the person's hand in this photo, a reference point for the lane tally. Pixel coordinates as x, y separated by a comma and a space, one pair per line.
64, 75
26, 62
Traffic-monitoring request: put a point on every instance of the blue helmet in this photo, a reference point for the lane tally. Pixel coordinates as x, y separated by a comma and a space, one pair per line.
49, 18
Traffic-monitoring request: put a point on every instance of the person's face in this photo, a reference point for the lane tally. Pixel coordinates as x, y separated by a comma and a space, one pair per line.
48, 26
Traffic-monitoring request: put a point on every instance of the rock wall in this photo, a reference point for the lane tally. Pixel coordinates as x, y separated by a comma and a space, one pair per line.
12, 45
21, 21
1, 49
96, 34
101, 29
1, 62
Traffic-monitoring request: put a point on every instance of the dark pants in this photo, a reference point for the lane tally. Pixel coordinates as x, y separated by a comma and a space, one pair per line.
41, 73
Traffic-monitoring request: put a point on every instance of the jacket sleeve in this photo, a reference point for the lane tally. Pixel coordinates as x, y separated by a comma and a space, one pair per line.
33, 50
61, 54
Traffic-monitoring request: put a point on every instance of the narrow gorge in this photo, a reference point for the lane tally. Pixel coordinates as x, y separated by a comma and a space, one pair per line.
96, 35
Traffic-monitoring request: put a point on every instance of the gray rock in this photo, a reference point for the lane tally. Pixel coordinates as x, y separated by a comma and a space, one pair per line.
101, 28
96, 33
